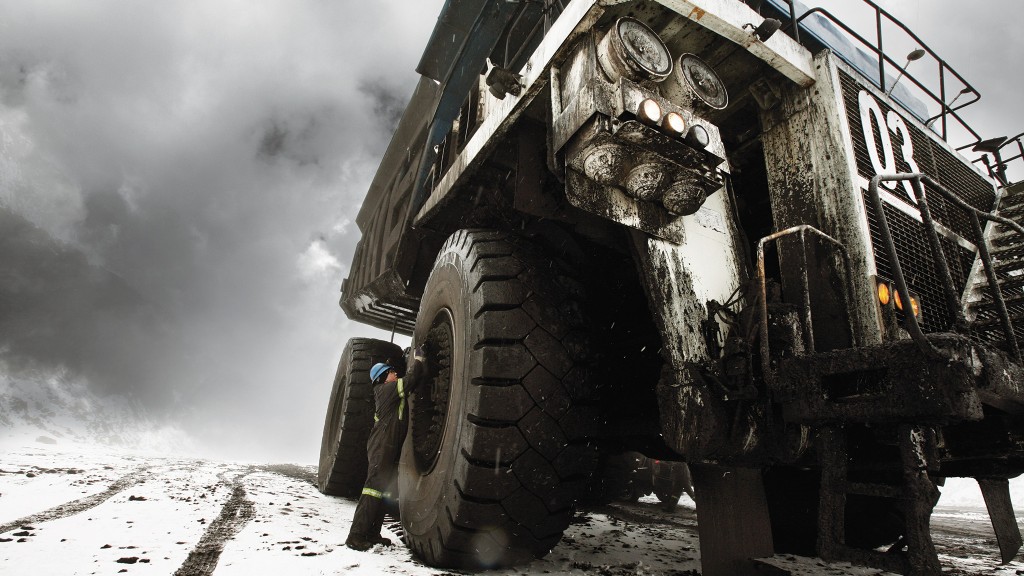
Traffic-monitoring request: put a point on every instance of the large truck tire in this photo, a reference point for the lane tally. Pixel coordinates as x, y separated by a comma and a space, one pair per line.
342, 468
498, 448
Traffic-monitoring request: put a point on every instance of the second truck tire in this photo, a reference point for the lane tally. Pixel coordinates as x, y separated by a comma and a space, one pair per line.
498, 448
342, 468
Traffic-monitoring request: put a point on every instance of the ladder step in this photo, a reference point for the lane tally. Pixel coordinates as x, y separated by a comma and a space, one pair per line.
987, 303
1010, 238
1012, 200
1008, 284
1005, 236
994, 323
1009, 265
1011, 211
1008, 251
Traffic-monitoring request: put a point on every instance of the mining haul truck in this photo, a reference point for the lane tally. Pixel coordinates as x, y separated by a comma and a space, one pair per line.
735, 234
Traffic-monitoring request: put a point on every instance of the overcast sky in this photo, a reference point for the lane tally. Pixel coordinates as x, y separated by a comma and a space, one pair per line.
200, 162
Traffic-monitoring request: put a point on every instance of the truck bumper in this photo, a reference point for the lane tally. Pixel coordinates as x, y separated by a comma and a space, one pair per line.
896, 382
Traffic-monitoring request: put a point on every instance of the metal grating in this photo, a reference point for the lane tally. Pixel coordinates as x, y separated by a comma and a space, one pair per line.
918, 266
932, 158
951, 171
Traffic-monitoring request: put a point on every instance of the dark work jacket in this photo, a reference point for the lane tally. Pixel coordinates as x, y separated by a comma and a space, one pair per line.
384, 446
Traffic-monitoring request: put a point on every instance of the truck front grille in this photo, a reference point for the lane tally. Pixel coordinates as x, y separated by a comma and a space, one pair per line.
936, 159
917, 263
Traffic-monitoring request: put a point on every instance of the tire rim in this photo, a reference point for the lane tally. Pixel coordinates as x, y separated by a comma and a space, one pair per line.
430, 408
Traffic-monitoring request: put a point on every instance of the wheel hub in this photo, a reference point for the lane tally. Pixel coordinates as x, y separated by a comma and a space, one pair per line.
430, 408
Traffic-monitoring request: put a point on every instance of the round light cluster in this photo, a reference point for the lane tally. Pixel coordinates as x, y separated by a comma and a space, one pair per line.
632, 50
645, 181
603, 163
650, 112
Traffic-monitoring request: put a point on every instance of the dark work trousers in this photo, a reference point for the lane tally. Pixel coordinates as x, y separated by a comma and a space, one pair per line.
382, 451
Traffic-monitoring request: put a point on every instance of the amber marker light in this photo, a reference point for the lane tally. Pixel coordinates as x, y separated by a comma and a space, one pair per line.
673, 122
914, 305
649, 111
884, 295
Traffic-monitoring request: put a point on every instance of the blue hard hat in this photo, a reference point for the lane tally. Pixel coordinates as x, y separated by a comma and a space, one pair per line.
378, 369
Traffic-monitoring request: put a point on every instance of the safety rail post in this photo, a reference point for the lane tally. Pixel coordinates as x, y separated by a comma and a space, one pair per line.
807, 330
949, 290
998, 170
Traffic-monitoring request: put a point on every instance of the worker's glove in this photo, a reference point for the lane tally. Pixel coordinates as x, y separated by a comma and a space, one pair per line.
420, 353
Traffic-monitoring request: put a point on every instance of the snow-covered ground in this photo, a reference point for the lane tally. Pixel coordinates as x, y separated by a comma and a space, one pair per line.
77, 510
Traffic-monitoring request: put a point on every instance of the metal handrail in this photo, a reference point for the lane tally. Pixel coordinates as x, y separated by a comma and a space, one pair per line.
541, 25
997, 169
808, 331
877, 47
952, 300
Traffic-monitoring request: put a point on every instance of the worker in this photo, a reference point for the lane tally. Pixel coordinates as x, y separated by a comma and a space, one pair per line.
383, 447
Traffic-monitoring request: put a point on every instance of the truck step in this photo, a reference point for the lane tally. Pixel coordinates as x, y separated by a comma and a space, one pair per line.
918, 492
1009, 251
1010, 297
992, 323
1012, 211
1008, 266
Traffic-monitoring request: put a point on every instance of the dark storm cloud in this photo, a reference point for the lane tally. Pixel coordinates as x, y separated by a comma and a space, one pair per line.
185, 176
59, 310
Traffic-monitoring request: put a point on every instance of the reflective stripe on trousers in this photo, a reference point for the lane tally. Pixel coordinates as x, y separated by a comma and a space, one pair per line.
376, 493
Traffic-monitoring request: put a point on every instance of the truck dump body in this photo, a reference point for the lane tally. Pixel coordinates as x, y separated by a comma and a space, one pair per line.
667, 226
472, 137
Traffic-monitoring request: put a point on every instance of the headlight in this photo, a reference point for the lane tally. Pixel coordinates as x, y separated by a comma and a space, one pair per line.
884, 296
914, 305
673, 123
603, 163
649, 111
697, 137
695, 84
645, 181
632, 50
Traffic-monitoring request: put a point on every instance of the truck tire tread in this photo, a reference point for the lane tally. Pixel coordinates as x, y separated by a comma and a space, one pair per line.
342, 467
523, 452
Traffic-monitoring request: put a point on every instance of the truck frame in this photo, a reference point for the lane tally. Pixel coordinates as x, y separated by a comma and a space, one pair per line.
734, 234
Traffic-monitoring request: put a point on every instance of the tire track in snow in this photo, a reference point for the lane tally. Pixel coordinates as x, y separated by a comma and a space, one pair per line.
235, 514
78, 506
